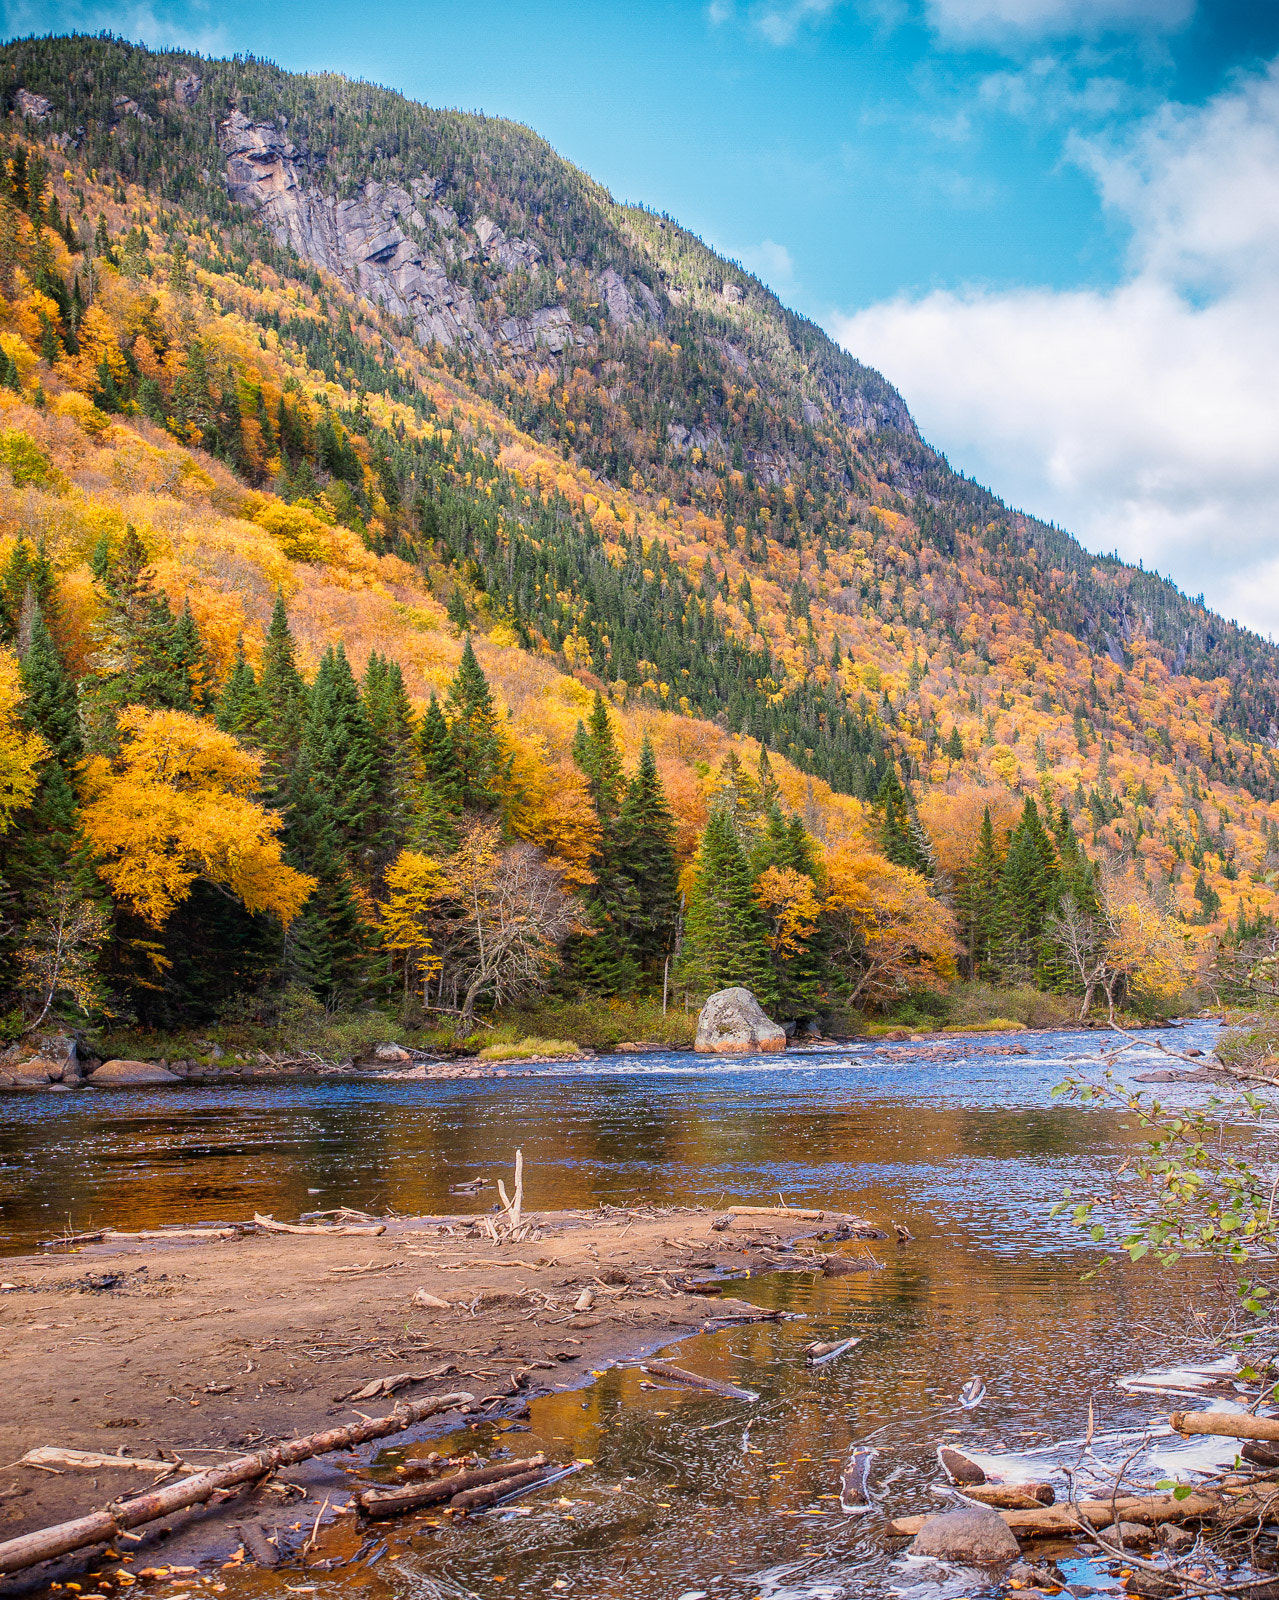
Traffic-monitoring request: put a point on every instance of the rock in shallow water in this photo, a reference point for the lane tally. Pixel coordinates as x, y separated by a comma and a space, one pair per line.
111, 1073
734, 1023
974, 1538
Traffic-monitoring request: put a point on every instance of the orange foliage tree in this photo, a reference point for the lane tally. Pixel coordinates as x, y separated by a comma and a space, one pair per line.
888, 935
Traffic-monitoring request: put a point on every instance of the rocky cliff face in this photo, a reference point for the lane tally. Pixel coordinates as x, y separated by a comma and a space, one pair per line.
402, 247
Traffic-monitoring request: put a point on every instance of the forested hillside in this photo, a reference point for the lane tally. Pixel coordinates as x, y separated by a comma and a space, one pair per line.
406, 543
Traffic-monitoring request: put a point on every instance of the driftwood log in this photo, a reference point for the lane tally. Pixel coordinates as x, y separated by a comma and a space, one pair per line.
1076, 1515
394, 1502
50, 1455
1008, 1496
1225, 1424
320, 1231
694, 1380
31, 1548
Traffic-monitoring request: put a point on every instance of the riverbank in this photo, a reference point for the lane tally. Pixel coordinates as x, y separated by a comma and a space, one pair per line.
181, 1349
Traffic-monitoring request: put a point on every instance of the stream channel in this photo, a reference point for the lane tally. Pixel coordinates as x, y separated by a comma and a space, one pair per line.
689, 1494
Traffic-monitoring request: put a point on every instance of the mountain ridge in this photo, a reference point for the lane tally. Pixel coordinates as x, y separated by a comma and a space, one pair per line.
608, 452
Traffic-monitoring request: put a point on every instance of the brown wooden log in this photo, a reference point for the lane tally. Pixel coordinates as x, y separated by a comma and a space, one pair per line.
343, 1231
1226, 1424
1071, 1516
395, 1502
694, 1380
488, 1494
1011, 1496
46, 1543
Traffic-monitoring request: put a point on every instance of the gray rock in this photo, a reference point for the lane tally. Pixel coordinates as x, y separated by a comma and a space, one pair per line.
1176, 1541
111, 1073
972, 1537
35, 106
186, 89
391, 1052
733, 1022
359, 239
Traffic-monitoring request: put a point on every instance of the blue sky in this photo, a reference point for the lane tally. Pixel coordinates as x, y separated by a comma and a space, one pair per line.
1041, 218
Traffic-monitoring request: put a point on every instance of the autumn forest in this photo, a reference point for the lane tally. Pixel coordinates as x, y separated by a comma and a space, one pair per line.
430, 588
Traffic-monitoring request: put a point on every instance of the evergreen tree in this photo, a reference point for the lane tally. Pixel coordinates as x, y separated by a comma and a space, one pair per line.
646, 855
978, 899
725, 941
1029, 889
282, 699
438, 801
901, 837
605, 959
347, 764
390, 718
325, 944
239, 709
28, 575
50, 705
477, 741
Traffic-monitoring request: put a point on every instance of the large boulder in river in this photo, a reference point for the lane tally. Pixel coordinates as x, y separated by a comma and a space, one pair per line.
111, 1073
733, 1023
973, 1537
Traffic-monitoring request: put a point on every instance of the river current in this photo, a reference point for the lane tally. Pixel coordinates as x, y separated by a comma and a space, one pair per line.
688, 1494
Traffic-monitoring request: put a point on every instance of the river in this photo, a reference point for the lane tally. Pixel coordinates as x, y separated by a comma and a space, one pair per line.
689, 1494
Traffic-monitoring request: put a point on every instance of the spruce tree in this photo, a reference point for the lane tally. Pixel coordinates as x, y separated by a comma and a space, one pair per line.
725, 941
646, 855
50, 705
477, 741
239, 709
1029, 889
978, 899
347, 765
900, 836
605, 960
437, 802
326, 943
282, 699
390, 718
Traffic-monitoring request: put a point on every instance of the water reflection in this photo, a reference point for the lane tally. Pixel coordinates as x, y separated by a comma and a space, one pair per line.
968, 1141
689, 1494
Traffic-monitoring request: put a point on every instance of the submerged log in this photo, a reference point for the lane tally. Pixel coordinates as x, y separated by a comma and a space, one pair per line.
490, 1494
1225, 1424
394, 1502
664, 1369
1077, 1515
43, 1545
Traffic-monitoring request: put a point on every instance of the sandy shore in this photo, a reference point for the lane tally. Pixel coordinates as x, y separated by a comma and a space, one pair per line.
201, 1351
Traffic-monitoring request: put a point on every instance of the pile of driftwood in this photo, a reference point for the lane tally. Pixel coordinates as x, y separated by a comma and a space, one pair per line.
340, 1223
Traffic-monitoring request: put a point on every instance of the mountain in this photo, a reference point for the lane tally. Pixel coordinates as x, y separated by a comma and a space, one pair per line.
515, 406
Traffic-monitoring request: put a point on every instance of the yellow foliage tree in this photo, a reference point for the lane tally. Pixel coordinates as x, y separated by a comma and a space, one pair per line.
888, 933
414, 884
548, 804
21, 752
302, 536
176, 805
789, 902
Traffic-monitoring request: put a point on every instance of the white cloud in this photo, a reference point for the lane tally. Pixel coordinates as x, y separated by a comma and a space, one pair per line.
1143, 418
969, 19
769, 261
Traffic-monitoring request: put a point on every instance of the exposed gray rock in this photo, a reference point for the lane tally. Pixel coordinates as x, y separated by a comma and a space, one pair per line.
391, 1052
111, 1073
186, 89
550, 329
512, 255
627, 304
35, 106
973, 1537
359, 240
130, 108
733, 1022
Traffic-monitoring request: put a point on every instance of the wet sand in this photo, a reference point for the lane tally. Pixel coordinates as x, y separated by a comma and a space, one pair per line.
203, 1351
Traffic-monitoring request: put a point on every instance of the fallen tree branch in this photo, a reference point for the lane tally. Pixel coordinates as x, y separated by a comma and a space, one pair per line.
394, 1502
694, 1380
1072, 1515
1225, 1424
29, 1549
345, 1230
51, 1455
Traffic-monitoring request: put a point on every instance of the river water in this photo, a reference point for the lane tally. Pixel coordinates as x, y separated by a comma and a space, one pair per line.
689, 1493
